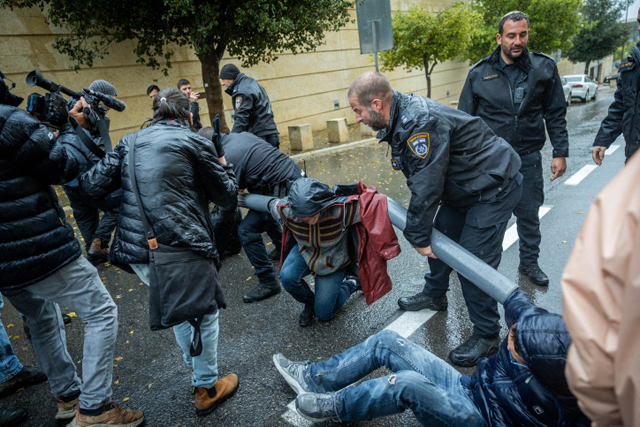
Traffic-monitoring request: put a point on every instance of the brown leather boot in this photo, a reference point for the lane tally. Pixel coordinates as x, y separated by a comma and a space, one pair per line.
116, 416
225, 388
95, 254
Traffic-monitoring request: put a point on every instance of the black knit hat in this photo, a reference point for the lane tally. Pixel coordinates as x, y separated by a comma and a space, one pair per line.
103, 86
229, 72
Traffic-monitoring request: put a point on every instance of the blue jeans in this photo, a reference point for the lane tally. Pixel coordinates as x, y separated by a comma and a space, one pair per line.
77, 286
332, 292
204, 366
10, 366
421, 381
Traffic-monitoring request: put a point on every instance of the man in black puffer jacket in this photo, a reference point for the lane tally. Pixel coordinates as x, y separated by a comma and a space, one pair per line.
42, 266
522, 385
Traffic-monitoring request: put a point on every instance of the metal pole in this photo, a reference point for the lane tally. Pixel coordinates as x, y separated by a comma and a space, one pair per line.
464, 262
374, 30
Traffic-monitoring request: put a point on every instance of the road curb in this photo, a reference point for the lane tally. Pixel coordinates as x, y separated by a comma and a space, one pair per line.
329, 150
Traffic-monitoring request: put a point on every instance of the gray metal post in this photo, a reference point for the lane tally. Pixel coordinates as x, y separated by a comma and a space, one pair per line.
374, 30
464, 262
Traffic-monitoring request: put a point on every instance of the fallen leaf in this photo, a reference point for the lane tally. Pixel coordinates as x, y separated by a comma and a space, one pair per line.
127, 341
72, 314
126, 399
118, 358
248, 278
579, 212
149, 386
564, 241
118, 297
16, 337
10, 325
130, 290
116, 382
131, 333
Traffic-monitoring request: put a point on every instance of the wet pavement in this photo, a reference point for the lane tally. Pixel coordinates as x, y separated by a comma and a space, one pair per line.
149, 373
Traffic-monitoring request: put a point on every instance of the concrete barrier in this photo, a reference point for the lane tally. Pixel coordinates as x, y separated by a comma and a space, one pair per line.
337, 130
301, 137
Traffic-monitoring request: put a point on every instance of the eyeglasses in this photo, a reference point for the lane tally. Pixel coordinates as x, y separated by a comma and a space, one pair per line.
516, 363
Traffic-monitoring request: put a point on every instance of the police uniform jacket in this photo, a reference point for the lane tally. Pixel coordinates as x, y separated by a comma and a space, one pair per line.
258, 166
624, 113
447, 156
252, 107
487, 93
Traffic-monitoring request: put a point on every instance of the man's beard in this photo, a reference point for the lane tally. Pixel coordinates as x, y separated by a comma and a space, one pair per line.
376, 120
508, 54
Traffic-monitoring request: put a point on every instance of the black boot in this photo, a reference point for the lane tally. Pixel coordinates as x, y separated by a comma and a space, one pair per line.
29, 375
12, 417
535, 275
468, 353
66, 319
274, 254
420, 301
263, 291
307, 315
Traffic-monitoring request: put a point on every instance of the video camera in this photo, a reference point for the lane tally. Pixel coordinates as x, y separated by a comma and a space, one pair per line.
52, 109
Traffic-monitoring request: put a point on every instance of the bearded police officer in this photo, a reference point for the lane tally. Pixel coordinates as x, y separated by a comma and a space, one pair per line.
624, 113
516, 92
251, 105
454, 161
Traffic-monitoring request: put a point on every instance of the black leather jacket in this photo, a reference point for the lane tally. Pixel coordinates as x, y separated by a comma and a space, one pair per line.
252, 107
447, 156
624, 113
487, 94
178, 174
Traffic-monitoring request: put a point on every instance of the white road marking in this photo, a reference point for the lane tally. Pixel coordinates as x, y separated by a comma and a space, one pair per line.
580, 175
410, 321
511, 236
292, 417
611, 149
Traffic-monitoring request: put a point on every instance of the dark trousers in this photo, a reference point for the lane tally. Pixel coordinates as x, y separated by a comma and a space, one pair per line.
88, 219
526, 211
272, 139
480, 229
249, 233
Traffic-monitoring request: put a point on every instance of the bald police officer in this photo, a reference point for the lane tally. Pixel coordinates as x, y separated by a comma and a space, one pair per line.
453, 161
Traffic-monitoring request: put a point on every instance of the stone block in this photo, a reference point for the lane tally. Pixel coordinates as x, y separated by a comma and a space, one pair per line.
337, 130
301, 137
366, 130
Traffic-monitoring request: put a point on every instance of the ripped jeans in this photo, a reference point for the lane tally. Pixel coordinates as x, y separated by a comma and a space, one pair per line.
421, 381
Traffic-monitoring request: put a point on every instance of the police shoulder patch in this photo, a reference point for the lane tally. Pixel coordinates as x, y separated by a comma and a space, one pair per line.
626, 66
238, 102
420, 143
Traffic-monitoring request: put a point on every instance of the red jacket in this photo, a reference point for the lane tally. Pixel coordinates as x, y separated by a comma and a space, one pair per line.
375, 242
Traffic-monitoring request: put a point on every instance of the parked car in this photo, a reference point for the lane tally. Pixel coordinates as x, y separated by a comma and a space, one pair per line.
566, 87
582, 87
607, 80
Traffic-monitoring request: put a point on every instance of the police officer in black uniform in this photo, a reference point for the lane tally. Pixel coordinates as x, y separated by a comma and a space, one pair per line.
251, 105
624, 113
454, 161
261, 169
516, 92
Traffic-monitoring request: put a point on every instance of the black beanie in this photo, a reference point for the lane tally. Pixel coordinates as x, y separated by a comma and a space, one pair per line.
229, 72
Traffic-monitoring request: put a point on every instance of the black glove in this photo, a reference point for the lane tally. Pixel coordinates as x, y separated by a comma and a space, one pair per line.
216, 138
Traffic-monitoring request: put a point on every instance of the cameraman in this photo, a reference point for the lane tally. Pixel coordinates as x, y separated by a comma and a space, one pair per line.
95, 231
42, 266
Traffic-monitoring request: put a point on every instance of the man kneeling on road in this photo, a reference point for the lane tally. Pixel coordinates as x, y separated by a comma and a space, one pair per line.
454, 161
522, 385
262, 169
343, 237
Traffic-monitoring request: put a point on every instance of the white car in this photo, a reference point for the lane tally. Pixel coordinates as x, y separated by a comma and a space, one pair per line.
566, 87
582, 87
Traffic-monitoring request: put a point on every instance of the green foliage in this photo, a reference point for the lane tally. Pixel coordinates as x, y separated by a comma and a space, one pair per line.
602, 36
254, 30
421, 38
553, 24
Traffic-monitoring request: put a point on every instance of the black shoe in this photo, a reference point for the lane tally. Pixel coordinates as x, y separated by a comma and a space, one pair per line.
274, 254
355, 284
421, 301
66, 319
307, 315
262, 291
535, 275
12, 417
468, 353
29, 375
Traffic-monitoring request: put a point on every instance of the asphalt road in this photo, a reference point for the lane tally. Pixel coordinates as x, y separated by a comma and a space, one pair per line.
150, 375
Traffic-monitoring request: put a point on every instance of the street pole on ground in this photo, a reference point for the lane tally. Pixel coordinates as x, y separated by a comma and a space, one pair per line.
464, 262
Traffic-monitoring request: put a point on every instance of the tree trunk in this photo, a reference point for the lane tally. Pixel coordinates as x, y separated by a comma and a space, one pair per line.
210, 63
586, 67
428, 72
